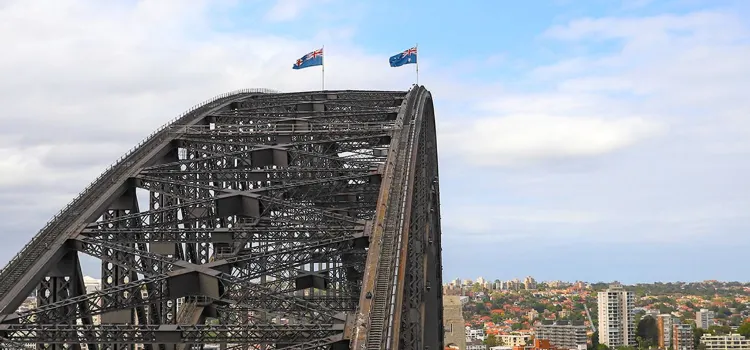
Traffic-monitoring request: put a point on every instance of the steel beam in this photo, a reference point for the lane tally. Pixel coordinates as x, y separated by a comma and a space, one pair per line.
301, 221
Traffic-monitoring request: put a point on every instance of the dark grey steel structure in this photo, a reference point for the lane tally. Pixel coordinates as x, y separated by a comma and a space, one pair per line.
274, 220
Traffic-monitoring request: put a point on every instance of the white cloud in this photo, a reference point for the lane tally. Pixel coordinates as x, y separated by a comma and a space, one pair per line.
665, 113
86, 80
674, 75
16, 166
705, 27
647, 133
519, 139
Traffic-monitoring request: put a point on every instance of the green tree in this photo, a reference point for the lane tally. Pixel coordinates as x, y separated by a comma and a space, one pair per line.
490, 341
697, 334
639, 315
482, 309
723, 312
744, 329
665, 309
538, 307
648, 332
719, 330
595, 341
602, 347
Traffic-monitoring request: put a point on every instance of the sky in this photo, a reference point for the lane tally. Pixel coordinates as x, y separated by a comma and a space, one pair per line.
592, 140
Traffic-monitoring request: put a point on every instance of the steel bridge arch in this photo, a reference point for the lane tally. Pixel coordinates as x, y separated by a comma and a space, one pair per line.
305, 220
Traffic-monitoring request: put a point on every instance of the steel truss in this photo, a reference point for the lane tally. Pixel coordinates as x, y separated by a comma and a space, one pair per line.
296, 221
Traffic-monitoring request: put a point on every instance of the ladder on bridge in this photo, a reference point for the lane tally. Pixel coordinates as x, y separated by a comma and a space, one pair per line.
383, 295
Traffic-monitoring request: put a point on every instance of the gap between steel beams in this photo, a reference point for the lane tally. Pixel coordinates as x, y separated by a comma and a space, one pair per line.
67, 217
170, 266
232, 193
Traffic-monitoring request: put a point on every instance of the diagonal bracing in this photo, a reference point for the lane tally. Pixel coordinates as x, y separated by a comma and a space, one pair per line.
256, 219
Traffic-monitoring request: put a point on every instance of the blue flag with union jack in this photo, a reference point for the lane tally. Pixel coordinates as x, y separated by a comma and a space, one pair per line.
406, 57
314, 58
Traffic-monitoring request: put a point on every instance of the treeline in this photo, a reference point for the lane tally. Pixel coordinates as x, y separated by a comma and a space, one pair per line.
685, 288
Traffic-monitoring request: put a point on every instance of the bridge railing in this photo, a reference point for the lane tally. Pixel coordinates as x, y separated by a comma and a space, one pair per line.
63, 217
281, 128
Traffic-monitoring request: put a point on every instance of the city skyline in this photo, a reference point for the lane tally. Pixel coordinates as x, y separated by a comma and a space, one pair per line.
577, 139
607, 282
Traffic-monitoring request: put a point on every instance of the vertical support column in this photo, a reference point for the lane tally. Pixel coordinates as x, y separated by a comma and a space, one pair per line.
61, 283
143, 313
114, 275
198, 216
164, 312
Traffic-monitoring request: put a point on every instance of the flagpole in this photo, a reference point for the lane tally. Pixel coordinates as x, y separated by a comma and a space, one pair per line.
417, 47
323, 66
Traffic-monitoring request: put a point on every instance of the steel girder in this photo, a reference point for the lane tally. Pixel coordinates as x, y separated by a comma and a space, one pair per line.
298, 221
155, 334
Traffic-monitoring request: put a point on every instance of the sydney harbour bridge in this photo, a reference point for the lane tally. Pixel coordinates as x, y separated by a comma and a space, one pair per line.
256, 220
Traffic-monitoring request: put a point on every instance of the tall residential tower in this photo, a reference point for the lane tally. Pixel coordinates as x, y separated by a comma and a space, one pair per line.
616, 317
704, 318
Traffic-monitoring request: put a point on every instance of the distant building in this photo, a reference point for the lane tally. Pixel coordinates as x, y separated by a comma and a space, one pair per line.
513, 284
501, 347
476, 345
453, 323
558, 284
475, 334
616, 317
682, 337
725, 342
532, 315
563, 334
529, 283
92, 284
540, 344
665, 322
514, 339
704, 318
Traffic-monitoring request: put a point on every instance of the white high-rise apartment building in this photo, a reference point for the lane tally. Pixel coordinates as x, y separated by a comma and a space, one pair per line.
529, 282
724, 342
563, 334
616, 317
704, 318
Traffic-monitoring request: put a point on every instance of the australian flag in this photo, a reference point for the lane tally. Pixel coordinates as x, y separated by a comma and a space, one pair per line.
314, 58
406, 57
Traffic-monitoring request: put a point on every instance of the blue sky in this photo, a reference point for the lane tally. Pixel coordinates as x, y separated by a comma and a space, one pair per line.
595, 140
